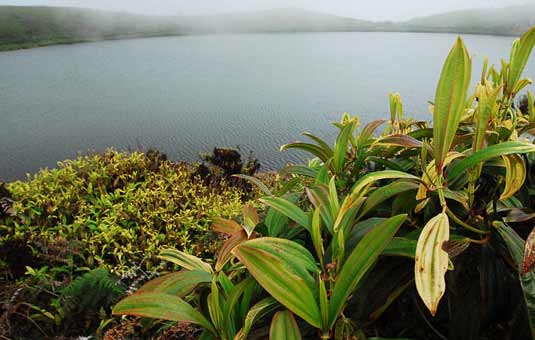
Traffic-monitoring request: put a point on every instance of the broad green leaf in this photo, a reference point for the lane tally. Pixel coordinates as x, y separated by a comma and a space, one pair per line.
161, 306
326, 148
486, 107
497, 150
315, 150
257, 312
214, 306
233, 299
359, 262
396, 108
184, 260
359, 188
284, 327
275, 222
256, 182
179, 284
340, 147
515, 245
282, 267
347, 213
515, 175
519, 58
384, 193
289, 209
319, 197
299, 170
317, 239
334, 202
400, 246
431, 261
450, 100
323, 175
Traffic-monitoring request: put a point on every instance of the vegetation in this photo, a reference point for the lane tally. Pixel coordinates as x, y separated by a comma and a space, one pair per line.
26, 27
75, 238
420, 233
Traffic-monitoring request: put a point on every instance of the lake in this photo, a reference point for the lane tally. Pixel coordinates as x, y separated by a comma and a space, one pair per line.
185, 95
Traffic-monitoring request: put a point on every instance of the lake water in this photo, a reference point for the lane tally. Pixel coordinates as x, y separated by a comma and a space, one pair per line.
185, 95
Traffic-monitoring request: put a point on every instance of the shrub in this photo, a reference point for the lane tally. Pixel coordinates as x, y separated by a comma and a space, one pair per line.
116, 210
410, 217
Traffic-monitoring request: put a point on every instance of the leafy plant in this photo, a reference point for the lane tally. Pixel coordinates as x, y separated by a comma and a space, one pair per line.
430, 195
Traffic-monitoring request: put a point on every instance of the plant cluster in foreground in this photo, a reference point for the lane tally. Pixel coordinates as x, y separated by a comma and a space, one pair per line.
418, 233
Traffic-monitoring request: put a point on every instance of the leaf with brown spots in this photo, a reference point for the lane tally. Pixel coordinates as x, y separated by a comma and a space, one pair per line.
431, 261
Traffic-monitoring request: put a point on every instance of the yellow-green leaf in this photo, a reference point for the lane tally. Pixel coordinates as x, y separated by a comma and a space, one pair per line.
450, 100
289, 209
255, 313
184, 260
282, 267
507, 148
340, 147
520, 53
431, 261
515, 175
284, 327
161, 306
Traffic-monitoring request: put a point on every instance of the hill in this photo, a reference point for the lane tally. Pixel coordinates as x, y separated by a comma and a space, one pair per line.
512, 20
24, 27
37, 26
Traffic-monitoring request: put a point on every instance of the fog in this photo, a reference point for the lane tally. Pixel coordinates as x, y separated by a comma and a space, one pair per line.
395, 10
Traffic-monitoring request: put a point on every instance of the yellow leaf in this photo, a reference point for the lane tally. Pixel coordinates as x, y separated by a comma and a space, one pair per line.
515, 174
431, 261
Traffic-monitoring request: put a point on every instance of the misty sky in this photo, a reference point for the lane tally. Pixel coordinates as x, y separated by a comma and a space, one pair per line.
363, 9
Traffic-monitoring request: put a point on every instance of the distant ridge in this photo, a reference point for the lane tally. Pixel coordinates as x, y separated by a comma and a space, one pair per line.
25, 27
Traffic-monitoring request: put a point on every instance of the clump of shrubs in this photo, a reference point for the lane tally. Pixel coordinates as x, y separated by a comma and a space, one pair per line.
111, 212
117, 209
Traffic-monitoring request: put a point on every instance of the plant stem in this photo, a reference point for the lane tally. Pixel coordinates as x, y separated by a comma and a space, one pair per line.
463, 224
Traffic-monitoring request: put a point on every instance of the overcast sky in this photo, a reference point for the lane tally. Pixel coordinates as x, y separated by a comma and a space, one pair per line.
363, 9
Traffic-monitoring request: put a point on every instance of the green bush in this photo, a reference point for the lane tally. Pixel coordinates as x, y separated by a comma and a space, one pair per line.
419, 233
113, 210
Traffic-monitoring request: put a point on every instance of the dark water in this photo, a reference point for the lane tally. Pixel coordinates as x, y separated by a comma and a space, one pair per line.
185, 95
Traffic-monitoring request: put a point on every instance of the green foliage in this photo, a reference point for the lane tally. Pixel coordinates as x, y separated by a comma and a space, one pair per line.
375, 223
89, 293
116, 210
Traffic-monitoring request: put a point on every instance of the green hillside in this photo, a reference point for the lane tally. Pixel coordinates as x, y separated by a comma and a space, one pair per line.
24, 27
512, 20
36, 26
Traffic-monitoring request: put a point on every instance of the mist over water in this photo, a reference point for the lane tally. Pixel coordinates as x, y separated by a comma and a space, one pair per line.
185, 95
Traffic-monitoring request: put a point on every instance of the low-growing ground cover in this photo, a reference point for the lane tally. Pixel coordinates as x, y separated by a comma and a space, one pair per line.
112, 211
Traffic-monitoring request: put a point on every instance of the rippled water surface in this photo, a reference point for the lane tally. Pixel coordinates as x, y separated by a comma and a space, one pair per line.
185, 95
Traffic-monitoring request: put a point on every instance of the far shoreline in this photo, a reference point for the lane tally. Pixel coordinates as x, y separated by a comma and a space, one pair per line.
47, 43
